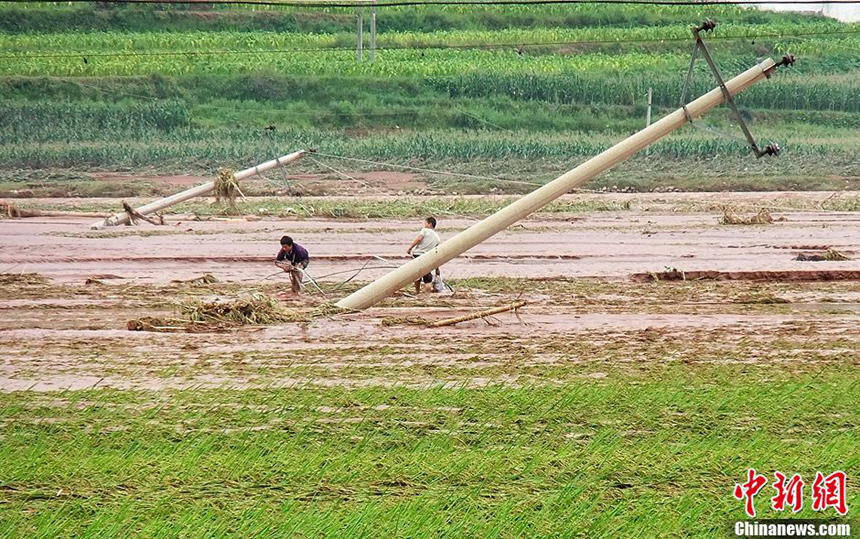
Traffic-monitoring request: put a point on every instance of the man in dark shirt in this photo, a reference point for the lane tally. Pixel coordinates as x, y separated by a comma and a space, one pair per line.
295, 259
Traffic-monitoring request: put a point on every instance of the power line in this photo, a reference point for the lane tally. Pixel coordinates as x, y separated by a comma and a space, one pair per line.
439, 46
404, 3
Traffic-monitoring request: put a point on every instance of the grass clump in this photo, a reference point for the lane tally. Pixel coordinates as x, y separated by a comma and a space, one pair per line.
256, 310
835, 256
206, 278
226, 189
763, 217
404, 321
760, 298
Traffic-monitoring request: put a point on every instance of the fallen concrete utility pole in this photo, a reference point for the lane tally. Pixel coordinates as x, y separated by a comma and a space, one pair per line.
537, 199
200, 190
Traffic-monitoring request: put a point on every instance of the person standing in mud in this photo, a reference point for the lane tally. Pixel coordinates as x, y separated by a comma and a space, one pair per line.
427, 240
294, 259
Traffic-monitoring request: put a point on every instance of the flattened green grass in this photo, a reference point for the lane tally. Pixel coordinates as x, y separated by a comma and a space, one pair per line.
653, 454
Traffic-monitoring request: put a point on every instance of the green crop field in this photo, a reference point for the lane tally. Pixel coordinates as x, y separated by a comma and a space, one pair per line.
175, 90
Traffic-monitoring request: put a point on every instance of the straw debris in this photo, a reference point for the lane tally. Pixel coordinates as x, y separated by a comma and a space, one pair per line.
830, 255
835, 256
206, 278
258, 310
763, 217
226, 188
9, 211
404, 321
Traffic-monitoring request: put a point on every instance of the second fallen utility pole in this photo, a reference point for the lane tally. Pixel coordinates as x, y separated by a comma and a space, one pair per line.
200, 190
537, 199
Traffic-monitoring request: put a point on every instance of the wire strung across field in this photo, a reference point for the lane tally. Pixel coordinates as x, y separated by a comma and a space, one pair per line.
783, 209
345, 175
428, 170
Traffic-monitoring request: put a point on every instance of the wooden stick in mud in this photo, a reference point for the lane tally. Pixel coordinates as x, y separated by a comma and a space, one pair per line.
134, 215
479, 314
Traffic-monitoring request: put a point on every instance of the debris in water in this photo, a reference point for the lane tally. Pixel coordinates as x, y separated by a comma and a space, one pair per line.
404, 321
480, 314
763, 217
206, 278
258, 309
831, 255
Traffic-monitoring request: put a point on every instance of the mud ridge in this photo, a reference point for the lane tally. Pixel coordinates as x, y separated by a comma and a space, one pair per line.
784, 276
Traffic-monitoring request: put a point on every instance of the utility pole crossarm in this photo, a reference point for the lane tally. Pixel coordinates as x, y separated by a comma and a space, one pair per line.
537, 199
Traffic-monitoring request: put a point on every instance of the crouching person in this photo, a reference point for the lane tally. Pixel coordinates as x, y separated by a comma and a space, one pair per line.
294, 259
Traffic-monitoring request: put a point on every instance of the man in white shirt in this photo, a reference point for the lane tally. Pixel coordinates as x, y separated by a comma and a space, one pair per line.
427, 240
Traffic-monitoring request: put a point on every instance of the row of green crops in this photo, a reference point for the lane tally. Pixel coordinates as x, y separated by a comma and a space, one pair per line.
177, 121
814, 32
70, 121
125, 54
786, 91
221, 146
395, 63
781, 92
549, 81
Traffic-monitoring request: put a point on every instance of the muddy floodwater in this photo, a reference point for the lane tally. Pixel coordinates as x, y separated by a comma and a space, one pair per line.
576, 271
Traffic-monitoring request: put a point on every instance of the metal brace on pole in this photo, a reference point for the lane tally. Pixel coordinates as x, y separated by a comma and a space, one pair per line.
708, 26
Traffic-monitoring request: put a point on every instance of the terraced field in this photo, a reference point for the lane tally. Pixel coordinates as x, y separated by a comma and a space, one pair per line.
175, 91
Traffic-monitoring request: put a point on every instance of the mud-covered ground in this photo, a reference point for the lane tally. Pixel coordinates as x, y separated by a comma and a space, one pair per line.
657, 232
573, 269
610, 405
